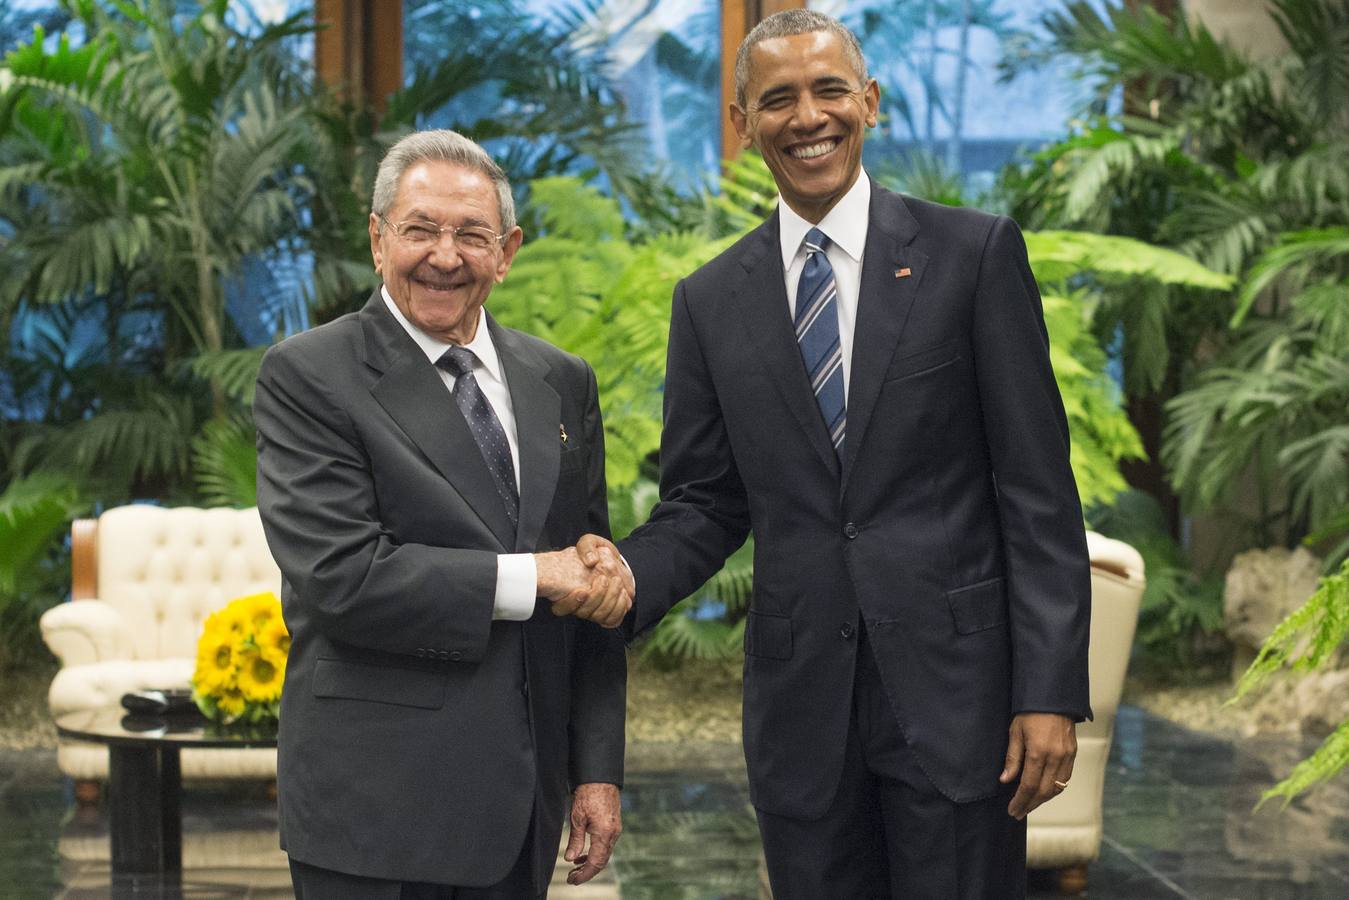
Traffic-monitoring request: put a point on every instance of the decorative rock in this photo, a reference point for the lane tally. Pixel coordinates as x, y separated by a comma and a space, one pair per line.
1322, 701
1263, 587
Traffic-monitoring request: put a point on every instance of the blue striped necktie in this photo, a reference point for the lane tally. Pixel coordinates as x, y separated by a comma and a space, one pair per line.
484, 424
817, 335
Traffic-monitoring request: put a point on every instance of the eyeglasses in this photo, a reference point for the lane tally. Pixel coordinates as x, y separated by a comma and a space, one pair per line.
424, 233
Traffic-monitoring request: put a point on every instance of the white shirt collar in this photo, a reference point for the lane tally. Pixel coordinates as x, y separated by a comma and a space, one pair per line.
845, 225
435, 348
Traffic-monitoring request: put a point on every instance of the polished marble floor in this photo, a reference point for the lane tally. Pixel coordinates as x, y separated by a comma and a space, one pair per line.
1178, 823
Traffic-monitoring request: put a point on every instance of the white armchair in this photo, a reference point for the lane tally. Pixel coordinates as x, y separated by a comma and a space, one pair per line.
144, 578
1065, 833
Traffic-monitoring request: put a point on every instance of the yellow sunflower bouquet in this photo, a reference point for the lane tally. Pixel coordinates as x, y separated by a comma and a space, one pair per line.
241, 661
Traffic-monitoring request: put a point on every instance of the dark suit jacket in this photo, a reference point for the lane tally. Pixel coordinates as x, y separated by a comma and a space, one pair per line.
953, 526
417, 734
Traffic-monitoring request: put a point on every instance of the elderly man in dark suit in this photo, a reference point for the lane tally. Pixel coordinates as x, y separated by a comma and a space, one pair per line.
864, 382
413, 459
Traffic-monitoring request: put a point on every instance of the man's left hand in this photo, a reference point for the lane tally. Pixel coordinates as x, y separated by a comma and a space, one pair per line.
1042, 747
594, 812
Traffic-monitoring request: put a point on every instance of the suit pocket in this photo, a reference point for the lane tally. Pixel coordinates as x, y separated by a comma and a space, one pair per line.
978, 607
345, 680
573, 460
768, 636
924, 361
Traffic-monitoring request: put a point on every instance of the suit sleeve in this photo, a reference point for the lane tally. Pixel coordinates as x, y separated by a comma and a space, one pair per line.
703, 513
599, 670
356, 583
1044, 541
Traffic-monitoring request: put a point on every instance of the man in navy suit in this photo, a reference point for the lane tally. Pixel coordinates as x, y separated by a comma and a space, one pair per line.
864, 382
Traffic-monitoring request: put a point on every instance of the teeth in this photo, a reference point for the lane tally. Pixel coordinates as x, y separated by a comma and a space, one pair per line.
814, 150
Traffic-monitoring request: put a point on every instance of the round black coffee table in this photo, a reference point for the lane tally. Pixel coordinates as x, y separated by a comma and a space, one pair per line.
145, 779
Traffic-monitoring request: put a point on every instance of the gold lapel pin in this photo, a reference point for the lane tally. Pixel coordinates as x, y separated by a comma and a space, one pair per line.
904, 272
562, 432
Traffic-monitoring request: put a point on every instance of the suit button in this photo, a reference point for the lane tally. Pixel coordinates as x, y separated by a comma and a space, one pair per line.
846, 632
421, 651
850, 531
455, 656
444, 654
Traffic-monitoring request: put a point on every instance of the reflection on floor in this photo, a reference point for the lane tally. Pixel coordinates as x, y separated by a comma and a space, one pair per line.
1178, 823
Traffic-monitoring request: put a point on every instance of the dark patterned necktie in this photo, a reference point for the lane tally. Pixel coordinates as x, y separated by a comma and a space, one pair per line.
817, 335
485, 425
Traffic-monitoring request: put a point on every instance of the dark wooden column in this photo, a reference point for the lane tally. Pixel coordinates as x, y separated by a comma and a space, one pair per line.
737, 18
360, 50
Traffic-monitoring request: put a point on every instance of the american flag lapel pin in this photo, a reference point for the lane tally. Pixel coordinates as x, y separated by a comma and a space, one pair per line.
562, 432
903, 273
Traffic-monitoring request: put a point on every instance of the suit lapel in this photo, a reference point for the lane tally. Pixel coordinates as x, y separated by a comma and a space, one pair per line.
412, 393
884, 300
538, 414
771, 338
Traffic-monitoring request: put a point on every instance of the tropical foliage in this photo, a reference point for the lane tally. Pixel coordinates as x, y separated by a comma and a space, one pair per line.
176, 192
1308, 639
33, 561
1241, 164
1273, 406
1180, 618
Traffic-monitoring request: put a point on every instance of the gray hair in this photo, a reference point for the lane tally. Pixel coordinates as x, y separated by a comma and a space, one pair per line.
790, 22
447, 146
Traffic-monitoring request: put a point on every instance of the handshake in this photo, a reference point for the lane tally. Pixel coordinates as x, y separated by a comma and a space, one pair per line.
589, 581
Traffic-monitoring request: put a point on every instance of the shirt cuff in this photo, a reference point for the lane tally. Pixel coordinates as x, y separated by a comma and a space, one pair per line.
517, 587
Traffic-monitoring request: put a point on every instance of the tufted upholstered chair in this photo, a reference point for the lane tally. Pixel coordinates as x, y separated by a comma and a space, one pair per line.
1065, 833
144, 580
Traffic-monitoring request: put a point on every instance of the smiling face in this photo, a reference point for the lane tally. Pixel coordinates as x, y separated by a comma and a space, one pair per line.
439, 286
807, 113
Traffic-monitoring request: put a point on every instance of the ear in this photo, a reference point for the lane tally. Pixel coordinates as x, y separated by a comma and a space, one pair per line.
871, 96
740, 121
512, 244
376, 252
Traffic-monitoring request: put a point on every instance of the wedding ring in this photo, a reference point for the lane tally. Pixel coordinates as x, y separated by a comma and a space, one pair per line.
1060, 784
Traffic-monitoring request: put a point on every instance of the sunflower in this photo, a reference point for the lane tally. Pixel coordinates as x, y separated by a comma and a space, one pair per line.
231, 702
274, 636
230, 621
215, 661
261, 675
241, 660
257, 611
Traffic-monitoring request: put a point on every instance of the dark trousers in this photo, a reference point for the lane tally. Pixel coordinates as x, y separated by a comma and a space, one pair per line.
314, 883
889, 834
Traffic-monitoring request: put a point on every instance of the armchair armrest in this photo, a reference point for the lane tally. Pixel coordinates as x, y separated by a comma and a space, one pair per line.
86, 631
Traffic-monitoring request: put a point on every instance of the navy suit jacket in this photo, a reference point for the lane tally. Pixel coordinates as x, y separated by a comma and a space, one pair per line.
952, 528
419, 737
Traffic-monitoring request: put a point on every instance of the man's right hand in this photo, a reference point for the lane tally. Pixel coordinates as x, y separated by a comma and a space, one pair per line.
589, 581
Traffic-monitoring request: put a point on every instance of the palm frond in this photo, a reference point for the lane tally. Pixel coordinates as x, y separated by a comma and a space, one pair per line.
33, 512
1298, 257
146, 440
235, 371
225, 462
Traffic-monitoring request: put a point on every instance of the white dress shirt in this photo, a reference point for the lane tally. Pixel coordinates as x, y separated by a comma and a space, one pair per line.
517, 577
846, 227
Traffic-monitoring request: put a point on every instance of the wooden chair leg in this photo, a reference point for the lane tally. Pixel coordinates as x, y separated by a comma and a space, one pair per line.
271, 790
87, 791
1072, 880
